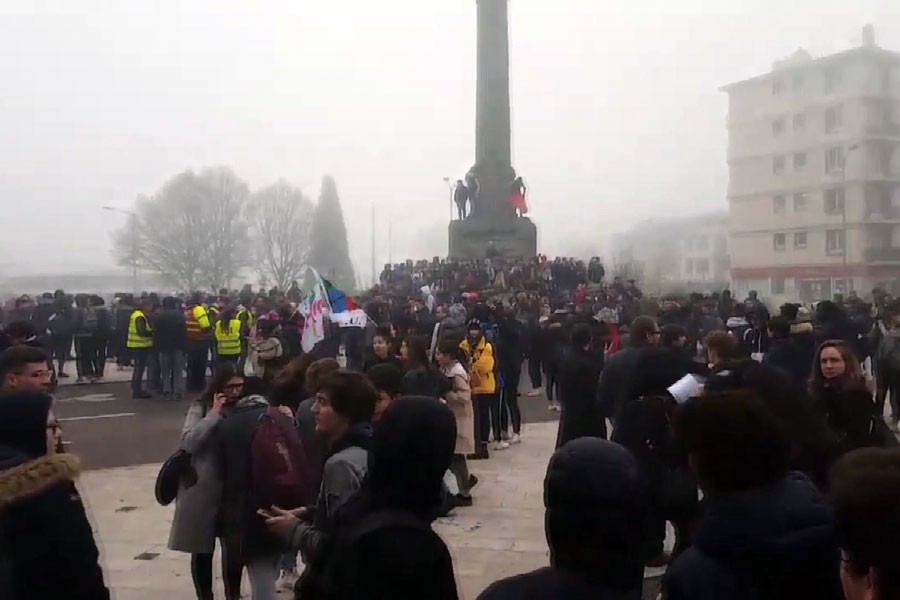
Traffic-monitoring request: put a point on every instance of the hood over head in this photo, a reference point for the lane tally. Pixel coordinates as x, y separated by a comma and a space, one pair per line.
411, 449
785, 524
593, 496
23, 424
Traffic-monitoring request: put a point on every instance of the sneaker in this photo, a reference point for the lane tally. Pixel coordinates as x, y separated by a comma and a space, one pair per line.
556, 407
462, 501
501, 445
504, 436
481, 455
534, 393
515, 439
79, 381
473, 481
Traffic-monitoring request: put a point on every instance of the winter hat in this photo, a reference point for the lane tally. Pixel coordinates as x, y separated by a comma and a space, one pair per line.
803, 315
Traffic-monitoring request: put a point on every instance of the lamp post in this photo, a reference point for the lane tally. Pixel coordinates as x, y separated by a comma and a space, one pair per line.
132, 223
449, 183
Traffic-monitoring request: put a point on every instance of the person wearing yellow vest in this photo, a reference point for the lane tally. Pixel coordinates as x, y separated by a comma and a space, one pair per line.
229, 338
140, 346
245, 316
485, 399
199, 330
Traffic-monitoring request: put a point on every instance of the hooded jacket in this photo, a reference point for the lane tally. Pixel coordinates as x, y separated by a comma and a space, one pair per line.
592, 495
47, 548
767, 543
385, 547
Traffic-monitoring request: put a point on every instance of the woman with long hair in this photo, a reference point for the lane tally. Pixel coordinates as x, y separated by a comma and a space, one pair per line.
420, 377
452, 361
840, 393
197, 507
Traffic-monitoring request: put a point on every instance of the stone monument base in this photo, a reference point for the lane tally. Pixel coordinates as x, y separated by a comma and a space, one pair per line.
509, 238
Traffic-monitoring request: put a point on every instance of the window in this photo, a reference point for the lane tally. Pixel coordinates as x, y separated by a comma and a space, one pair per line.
799, 161
798, 121
800, 202
834, 118
778, 165
834, 160
832, 80
777, 127
702, 242
689, 266
778, 242
797, 82
800, 240
834, 241
702, 265
777, 86
777, 285
834, 201
778, 204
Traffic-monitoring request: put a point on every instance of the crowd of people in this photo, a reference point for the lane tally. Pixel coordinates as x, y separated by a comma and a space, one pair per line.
777, 472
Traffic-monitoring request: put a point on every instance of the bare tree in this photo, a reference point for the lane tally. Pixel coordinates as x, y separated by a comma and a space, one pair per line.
191, 231
280, 218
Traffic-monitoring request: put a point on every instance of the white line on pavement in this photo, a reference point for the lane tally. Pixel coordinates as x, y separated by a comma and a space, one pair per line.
108, 416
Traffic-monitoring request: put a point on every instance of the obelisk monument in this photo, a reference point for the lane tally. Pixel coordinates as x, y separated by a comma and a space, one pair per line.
493, 229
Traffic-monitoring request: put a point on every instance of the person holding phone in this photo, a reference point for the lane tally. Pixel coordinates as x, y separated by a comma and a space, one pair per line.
197, 507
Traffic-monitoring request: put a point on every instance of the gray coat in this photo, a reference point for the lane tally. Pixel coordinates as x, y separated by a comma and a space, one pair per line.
197, 507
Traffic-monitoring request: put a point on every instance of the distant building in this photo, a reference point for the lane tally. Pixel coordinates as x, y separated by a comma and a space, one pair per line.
814, 175
680, 254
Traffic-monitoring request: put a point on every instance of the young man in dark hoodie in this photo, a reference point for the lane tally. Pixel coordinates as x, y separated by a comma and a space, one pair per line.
766, 532
595, 547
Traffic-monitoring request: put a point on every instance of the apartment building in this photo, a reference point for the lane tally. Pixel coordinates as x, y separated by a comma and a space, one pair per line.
814, 175
678, 254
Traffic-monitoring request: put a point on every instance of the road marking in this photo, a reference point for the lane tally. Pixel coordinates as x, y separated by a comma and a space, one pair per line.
89, 398
108, 416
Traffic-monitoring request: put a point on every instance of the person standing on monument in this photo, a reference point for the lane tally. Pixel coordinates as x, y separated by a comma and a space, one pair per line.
517, 197
460, 197
474, 191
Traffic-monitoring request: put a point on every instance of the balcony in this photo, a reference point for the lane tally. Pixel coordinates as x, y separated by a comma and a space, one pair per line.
882, 213
883, 254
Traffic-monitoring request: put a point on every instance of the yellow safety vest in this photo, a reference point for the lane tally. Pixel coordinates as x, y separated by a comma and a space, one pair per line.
197, 323
250, 319
135, 339
229, 341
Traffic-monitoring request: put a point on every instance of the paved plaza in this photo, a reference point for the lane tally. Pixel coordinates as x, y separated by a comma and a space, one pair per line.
503, 534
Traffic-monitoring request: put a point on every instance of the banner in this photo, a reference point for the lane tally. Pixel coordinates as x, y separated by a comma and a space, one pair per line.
315, 310
351, 318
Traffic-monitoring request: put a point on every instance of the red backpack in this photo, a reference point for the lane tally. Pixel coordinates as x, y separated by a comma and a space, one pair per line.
279, 472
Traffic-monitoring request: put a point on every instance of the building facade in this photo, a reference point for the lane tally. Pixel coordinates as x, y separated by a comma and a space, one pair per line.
814, 175
683, 254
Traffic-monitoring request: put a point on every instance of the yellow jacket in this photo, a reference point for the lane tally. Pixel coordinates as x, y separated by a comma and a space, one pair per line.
482, 364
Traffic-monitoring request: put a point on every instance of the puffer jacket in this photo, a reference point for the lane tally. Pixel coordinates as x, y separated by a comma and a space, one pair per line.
483, 363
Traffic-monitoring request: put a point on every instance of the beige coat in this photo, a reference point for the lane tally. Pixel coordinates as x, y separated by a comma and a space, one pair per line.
460, 402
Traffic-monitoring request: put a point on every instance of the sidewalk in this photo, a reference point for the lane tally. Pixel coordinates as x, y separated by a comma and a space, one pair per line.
502, 535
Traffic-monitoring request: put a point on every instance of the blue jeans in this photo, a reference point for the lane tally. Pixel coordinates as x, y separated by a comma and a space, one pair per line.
171, 366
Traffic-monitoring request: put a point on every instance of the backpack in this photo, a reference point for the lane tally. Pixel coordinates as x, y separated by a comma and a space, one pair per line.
89, 321
279, 472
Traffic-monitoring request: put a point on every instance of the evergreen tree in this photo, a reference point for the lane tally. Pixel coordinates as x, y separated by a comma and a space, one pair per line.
329, 252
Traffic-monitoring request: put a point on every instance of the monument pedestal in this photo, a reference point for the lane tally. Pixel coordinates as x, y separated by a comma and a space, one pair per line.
509, 238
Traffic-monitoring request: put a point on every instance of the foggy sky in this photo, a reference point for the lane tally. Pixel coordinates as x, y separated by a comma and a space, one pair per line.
616, 108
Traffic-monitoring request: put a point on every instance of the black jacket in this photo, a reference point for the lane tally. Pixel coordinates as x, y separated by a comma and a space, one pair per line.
578, 379
170, 331
43, 522
614, 381
790, 357
554, 584
769, 543
231, 443
851, 417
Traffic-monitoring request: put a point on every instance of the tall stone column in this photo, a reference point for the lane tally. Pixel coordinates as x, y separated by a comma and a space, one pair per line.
493, 160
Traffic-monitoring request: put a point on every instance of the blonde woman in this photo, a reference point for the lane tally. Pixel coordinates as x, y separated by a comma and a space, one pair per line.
450, 358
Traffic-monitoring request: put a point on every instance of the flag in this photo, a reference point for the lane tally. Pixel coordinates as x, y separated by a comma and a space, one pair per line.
338, 300
315, 309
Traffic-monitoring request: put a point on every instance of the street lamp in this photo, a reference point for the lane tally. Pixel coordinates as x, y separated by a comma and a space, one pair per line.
132, 221
844, 204
450, 185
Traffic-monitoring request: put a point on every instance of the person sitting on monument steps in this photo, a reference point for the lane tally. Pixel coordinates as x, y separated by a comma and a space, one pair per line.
460, 197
